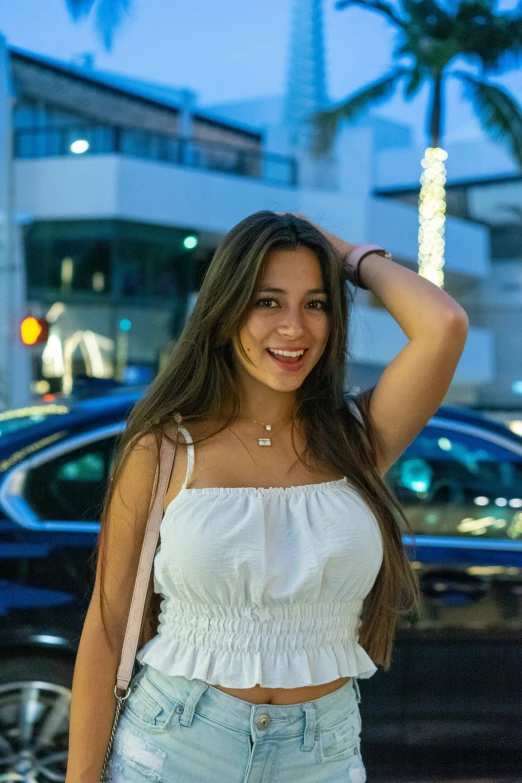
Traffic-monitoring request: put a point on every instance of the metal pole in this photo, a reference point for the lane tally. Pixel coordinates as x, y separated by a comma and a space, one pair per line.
15, 359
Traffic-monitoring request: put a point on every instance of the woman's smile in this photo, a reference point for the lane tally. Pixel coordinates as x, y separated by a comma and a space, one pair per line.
288, 363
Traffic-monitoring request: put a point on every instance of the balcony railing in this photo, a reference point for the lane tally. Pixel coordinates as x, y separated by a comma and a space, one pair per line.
99, 140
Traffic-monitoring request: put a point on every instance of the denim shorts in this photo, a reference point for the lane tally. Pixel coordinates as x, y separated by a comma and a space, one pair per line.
177, 730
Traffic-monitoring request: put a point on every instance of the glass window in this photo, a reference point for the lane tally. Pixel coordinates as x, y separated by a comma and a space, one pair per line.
31, 114
55, 116
147, 268
108, 258
81, 265
144, 144
455, 484
72, 486
25, 115
68, 263
89, 467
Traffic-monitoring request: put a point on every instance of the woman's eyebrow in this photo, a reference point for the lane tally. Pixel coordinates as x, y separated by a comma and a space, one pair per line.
272, 290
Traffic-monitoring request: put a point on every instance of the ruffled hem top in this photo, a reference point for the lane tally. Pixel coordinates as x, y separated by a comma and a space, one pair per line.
264, 586
284, 646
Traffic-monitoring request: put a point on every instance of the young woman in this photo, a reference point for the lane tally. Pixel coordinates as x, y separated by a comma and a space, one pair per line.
280, 568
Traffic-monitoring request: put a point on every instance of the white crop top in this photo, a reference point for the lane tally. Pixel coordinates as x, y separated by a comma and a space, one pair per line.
264, 586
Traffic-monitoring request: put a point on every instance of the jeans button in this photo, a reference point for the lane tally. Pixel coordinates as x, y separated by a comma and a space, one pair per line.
179, 708
263, 721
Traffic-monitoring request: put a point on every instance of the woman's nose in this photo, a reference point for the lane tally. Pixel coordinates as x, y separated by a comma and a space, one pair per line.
292, 320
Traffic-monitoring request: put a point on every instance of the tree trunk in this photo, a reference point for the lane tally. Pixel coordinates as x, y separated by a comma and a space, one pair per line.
435, 113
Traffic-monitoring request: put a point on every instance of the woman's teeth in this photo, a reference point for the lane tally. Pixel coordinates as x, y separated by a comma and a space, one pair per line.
286, 353
286, 356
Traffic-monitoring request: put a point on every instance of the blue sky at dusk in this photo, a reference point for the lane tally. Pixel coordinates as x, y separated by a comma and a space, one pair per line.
236, 49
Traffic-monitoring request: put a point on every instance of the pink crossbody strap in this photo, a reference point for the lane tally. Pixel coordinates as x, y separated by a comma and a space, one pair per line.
132, 632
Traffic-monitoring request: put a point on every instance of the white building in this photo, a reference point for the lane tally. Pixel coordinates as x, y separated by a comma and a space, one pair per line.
103, 229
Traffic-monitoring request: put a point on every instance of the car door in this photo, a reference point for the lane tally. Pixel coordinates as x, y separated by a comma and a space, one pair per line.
53, 501
51, 504
461, 488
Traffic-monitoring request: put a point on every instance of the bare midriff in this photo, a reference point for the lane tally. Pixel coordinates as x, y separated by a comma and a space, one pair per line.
259, 695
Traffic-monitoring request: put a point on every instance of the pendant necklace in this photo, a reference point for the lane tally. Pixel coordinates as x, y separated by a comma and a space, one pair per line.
264, 441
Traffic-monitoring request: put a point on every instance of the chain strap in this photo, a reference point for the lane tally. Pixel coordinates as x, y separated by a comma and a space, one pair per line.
120, 706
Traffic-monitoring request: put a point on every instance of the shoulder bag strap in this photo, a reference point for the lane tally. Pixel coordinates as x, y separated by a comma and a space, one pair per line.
161, 479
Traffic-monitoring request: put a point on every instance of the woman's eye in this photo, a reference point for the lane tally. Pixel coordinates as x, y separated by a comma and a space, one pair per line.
259, 302
323, 305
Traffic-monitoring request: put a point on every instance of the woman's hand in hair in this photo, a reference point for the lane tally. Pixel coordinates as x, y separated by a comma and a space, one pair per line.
341, 245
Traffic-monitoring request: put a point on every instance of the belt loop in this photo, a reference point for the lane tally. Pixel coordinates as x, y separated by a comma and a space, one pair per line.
356, 688
190, 705
309, 732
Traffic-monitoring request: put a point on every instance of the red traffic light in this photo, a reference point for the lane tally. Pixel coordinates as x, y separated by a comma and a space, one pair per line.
34, 331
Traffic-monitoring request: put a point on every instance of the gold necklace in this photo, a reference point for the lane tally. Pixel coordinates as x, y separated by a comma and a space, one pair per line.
265, 441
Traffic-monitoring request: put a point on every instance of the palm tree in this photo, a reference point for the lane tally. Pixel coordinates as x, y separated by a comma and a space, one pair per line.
109, 15
432, 38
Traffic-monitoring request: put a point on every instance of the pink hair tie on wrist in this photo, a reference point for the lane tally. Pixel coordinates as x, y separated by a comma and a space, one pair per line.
355, 256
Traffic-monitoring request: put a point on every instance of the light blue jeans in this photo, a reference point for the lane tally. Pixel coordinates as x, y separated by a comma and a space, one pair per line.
176, 730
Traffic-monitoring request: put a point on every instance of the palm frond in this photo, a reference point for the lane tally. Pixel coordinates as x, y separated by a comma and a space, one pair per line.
429, 16
373, 5
495, 40
498, 111
326, 122
452, 6
109, 16
79, 8
414, 83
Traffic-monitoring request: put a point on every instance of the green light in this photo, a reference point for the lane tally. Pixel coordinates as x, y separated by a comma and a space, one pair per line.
125, 324
190, 242
445, 444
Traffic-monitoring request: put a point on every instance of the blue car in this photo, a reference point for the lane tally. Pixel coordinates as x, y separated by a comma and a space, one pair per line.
451, 703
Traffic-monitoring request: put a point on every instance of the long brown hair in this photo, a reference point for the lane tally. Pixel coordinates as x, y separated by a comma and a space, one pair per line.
198, 381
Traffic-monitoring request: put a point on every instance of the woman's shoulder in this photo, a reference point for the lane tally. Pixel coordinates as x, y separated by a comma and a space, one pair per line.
199, 428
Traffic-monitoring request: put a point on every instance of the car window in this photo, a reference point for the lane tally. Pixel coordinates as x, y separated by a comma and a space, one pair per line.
71, 487
456, 484
88, 467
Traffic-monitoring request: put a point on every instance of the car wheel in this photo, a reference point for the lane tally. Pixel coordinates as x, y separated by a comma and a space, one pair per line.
35, 699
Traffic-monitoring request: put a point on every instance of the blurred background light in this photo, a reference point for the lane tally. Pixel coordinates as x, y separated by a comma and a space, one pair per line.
79, 146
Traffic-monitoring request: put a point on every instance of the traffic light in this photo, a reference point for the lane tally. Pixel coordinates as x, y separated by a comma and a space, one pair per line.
34, 331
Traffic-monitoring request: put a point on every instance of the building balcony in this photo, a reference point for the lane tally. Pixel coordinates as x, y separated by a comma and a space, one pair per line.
91, 140
196, 185
121, 187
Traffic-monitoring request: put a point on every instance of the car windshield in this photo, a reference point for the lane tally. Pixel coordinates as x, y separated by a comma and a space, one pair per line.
13, 421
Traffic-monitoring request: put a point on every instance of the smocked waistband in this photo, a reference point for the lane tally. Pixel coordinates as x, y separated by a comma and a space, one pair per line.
268, 628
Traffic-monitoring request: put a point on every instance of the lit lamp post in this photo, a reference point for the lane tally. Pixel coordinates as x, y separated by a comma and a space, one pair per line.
432, 215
